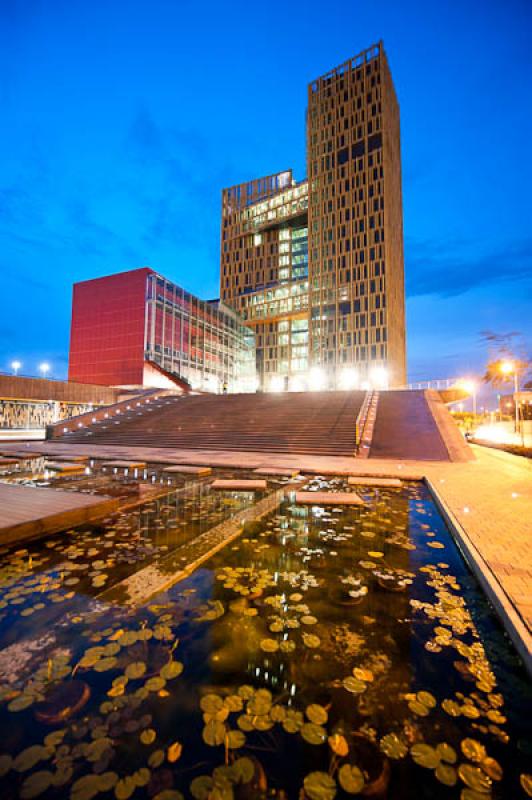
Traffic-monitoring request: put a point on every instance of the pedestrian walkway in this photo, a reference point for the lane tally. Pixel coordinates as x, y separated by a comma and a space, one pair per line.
28, 511
405, 428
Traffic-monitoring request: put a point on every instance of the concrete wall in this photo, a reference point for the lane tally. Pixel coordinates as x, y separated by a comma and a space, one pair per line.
15, 387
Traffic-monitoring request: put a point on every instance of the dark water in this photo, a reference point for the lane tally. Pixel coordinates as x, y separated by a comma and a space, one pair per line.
333, 649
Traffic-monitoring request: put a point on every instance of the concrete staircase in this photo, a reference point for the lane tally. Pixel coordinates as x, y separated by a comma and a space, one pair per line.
321, 423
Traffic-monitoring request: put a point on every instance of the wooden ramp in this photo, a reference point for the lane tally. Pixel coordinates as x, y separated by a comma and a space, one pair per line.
27, 512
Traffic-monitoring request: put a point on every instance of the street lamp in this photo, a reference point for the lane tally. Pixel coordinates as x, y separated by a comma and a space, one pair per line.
507, 367
15, 366
470, 387
44, 368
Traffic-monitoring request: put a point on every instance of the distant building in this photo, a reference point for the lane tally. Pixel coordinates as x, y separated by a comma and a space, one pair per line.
316, 268
137, 328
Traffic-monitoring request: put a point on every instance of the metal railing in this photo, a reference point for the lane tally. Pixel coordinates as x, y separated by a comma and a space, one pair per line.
440, 383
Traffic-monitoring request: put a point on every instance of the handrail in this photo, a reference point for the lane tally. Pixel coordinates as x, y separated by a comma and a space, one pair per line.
63, 427
364, 424
361, 419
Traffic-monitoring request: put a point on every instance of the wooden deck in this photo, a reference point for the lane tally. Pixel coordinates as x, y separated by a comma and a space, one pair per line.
27, 512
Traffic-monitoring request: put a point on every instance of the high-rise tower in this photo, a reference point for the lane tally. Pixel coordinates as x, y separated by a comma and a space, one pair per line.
316, 268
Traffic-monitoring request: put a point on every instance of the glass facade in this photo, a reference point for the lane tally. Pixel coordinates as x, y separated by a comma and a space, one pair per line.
204, 343
265, 277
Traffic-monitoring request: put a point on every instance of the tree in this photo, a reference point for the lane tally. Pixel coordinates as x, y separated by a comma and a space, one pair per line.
504, 348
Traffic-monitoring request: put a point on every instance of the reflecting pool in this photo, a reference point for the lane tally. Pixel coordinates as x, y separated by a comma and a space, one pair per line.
327, 652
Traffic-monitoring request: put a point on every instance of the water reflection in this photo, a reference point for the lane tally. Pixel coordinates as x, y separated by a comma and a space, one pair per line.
327, 652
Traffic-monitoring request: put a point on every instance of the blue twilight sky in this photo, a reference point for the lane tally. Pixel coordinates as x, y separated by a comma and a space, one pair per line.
123, 119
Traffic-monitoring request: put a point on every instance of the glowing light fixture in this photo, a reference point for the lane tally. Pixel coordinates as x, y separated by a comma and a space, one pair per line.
348, 379
297, 384
317, 379
276, 383
469, 386
379, 378
15, 366
44, 368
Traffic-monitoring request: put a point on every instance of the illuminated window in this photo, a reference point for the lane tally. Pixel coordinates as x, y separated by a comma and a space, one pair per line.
257, 239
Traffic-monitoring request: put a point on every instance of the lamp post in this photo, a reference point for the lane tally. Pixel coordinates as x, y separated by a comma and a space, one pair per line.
44, 368
15, 366
470, 387
507, 368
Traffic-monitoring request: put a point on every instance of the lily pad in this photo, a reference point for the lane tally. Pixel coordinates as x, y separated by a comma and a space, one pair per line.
392, 746
211, 703
156, 759
353, 685
311, 641
148, 736
31, 756
36, 784
446, 752
169, 794
338, 744
105, 664
234, 703
214, 733
174, 752
363, 674
201, 787
171, 670
351, 779
492, 768
317, 714
426, 698
473, 750
319, 786
425, 755
243, 770
21, 702
446, 774
269, 645
474, 778
125, 788
313, 734
135, 670
235, 739
260, 703
451, 707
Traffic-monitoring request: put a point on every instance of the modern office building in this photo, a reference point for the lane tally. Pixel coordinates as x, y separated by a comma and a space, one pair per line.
316, 268
138, 329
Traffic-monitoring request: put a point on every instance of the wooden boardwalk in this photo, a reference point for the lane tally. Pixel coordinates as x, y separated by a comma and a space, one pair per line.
27, 512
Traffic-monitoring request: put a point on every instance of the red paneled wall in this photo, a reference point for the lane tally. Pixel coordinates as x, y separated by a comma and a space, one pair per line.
107, 330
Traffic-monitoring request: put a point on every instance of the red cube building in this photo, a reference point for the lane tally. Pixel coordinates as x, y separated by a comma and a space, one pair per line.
137, 328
